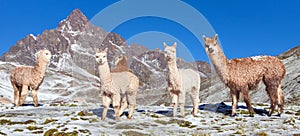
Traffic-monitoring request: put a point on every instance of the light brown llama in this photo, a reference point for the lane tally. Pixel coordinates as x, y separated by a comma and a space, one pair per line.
180, 82
242, 75
119, 87
24, 78
121, 65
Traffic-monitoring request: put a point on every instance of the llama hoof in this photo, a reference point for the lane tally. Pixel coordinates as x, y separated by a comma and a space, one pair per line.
278, 115
181, 116
269, 114
233, 115
251, 115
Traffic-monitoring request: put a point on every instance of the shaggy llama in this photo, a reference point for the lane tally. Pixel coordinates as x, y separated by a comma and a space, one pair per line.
242, 75
24, 78
119, 87
180, 82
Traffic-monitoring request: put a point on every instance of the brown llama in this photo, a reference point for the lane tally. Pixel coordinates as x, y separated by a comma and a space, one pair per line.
122, 65
242, 75
23, 78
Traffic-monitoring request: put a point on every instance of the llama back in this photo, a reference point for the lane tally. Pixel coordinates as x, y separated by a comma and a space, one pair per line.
190, 79
22, 75
125, 81
251, 71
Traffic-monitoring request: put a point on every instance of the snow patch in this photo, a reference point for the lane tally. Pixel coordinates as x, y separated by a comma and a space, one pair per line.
31, 35
63, 61
77, 48
120, 48
258, 58
144, 63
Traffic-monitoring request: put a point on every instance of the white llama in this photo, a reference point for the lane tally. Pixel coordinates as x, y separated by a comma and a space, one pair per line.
119, 87
180, 82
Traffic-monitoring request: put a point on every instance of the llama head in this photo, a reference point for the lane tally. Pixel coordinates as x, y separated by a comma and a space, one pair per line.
211, 44
101, 56
43, 55
170, 52
120, 60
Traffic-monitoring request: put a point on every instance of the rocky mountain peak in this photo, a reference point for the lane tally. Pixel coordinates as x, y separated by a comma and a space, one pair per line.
75, 22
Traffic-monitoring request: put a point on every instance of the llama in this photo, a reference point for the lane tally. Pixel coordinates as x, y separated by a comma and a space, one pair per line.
242, 75
121, 65
119, 87
24, 78
180, 82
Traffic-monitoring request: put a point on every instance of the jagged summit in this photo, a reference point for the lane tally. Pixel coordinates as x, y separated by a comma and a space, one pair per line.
76, 21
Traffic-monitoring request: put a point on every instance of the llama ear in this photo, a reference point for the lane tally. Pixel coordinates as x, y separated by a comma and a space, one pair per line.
165, 45
174, 44
106, 49
204, 37
216, 37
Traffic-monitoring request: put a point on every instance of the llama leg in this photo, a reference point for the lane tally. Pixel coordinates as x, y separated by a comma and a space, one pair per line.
106, 101
23, 94
248, 102
35, 99
272, 108
131, 110
132, 102
273, 98
174, 103
234, 102
280, 100
16, 94
116, 104
181, 101
195, 99
123, 104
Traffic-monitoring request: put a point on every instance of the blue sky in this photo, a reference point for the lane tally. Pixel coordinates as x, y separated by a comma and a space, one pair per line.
245, 28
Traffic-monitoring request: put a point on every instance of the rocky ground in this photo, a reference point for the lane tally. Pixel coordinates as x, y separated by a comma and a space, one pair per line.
84, 119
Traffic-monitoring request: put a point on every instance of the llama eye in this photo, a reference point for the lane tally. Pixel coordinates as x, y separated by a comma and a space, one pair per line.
97, 56
104, 56
47, 53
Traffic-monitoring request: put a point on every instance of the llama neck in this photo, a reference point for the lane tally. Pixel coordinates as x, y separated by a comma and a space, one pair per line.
220, 63
173, 70
40, 68
104, 74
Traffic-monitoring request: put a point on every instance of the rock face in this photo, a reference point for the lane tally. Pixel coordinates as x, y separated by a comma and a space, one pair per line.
72, 72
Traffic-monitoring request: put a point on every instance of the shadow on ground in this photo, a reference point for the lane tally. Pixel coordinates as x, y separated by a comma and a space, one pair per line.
226, 109
168, 112
31, 104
